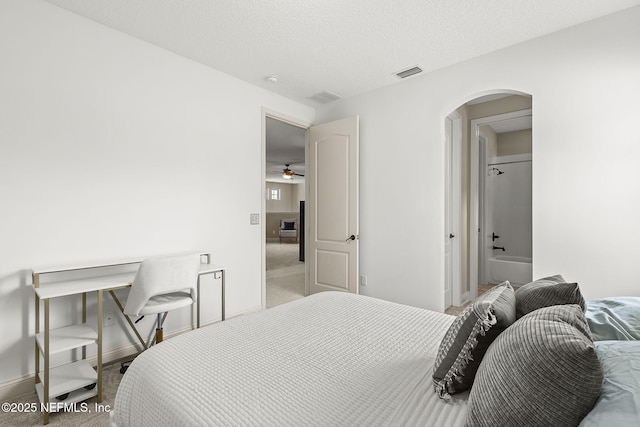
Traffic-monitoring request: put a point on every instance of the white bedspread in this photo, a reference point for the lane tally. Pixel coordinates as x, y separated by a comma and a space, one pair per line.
331, 359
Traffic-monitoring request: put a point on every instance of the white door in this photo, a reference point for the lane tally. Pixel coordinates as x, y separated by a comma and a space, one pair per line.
332, 206
453, 144
448, 235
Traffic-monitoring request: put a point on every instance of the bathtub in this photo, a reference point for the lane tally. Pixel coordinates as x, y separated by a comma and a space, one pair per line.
517, 270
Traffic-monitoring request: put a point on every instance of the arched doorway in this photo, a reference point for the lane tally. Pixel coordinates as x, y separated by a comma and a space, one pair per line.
495, 133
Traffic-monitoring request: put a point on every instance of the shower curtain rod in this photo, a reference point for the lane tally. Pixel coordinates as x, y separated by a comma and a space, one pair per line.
508, 163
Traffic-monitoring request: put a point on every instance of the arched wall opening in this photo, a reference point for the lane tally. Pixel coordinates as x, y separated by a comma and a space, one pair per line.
488, 202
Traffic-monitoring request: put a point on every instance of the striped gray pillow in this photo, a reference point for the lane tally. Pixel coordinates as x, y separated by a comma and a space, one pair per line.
467, 339
552, 290
542, 371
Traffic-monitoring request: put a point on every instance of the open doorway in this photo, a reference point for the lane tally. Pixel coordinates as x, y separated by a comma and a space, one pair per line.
495, 225
285, 193
504, 199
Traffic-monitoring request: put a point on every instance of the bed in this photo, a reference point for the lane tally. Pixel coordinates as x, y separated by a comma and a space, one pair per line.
327, 359
528, 357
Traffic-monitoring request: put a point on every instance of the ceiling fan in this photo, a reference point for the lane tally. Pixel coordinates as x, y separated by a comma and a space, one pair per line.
288, 173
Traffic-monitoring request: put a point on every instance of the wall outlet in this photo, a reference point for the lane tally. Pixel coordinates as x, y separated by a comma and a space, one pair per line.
363, 280
109, 319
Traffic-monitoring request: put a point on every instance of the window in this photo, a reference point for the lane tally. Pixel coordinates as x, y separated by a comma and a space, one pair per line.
274, 194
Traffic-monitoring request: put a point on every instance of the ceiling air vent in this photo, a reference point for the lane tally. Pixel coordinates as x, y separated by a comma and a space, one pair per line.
324, 97
409, 72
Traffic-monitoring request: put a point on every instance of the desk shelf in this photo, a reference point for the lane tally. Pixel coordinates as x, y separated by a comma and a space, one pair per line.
67, 338
70, 378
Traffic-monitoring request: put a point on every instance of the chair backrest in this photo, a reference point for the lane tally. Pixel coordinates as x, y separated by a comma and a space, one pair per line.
291, 221
163, 275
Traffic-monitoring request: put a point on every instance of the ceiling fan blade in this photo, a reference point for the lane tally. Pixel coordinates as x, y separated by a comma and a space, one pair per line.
286, 172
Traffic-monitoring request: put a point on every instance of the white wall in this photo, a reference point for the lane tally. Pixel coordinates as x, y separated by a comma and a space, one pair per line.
290, 196
514, 143
111, 147
509, 209
585, 88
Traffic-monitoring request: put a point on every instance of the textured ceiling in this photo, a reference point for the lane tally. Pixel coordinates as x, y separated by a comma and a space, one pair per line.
345, 47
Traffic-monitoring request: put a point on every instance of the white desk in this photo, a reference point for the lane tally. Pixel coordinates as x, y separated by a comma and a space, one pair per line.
77, 377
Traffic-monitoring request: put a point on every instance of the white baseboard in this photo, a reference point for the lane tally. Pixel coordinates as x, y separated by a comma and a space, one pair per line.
465, 298
245, 312
25, 384
10, 389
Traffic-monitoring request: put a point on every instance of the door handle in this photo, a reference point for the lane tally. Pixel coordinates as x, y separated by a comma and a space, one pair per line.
451, 236
352, 237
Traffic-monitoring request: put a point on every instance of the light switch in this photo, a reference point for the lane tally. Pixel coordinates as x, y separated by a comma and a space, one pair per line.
254, 219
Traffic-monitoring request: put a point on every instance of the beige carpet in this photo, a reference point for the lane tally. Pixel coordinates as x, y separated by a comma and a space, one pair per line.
285, 274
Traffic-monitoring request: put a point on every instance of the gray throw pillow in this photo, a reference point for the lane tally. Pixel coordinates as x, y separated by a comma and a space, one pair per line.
467, 339
542, 371
552, 290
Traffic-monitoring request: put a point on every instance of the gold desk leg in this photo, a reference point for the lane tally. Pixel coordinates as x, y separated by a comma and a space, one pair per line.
223, 296
36, 341
143, 343
36, 284
46, 362
84, 321
100, 346
198, 305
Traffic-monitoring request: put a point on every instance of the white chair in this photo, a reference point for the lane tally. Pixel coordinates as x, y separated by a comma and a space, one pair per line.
288, 229
162, 284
